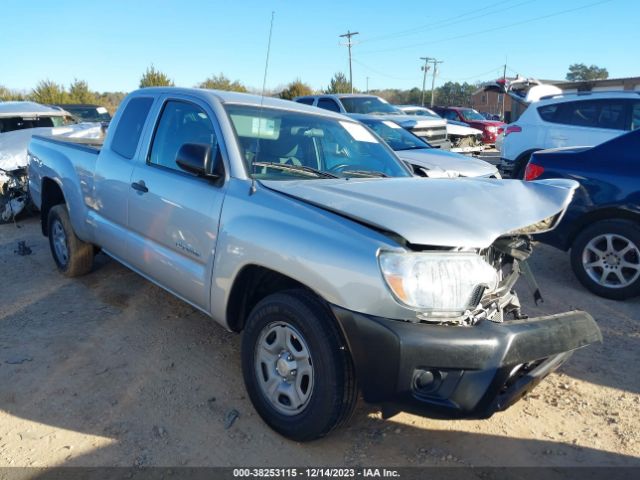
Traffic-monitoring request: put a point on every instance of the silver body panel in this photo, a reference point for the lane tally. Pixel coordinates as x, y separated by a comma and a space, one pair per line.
193, 237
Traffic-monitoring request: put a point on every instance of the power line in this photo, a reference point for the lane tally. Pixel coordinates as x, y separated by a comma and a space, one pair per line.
514, 24
383, 74
449, 21
348, 36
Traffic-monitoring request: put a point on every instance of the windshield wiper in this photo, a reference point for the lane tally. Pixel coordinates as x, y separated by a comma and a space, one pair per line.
296, 168
414, 147
367, 173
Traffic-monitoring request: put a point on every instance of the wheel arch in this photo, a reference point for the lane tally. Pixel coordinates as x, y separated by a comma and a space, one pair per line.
608, 213
51, 195
252, 284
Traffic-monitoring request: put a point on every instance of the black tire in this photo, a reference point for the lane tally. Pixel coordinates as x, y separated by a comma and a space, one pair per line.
334, 392
520, 167
79, 255
624, 231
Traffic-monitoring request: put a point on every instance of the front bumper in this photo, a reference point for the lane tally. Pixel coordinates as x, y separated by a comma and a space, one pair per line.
459, 372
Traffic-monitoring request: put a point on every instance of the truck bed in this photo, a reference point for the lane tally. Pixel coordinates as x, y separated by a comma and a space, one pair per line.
91, 145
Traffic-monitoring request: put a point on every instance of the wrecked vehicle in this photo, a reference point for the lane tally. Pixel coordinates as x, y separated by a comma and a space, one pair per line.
18, 122
463, 138
422, 158
273, 218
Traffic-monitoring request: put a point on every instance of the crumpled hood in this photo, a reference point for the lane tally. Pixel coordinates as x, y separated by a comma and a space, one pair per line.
438, 212
413, 121
434, 158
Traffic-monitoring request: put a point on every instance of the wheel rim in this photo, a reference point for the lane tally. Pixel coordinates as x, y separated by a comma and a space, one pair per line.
284, 368
611, 260
59, 238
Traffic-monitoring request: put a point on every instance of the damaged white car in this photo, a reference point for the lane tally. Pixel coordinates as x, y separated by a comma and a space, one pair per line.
463, 138
19, 121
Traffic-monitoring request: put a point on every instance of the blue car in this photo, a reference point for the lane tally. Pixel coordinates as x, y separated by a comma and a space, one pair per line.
602, 225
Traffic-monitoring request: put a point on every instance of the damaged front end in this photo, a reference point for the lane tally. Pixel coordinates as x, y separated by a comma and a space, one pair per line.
14, 193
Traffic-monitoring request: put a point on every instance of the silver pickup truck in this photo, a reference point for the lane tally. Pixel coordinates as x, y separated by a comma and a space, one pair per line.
301, 229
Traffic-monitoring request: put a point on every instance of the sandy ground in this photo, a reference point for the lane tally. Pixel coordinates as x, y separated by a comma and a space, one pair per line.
111, 370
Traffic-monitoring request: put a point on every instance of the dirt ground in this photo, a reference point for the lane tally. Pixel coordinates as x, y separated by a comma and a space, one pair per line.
111, 370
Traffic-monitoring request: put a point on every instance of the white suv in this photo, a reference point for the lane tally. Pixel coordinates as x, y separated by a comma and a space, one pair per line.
567, 120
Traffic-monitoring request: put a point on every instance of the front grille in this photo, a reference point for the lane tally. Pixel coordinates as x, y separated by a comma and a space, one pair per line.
431, 134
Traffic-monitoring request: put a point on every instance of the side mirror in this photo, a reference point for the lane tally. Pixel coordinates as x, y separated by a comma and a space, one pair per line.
199, 159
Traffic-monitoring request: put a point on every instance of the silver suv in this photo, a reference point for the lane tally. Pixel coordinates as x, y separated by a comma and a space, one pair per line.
433, 131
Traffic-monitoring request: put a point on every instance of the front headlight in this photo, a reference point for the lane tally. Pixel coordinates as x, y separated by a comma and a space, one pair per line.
492, 129
443, 283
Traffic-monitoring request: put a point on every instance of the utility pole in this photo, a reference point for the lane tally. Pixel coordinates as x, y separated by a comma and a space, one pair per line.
433, 80
348, 35
504, 82
425, 69
367, 85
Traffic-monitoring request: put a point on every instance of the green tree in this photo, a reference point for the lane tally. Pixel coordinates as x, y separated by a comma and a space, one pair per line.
7, 94
339, 84
221, 82
49, 92
579, 72
155, 78
79, 93
454, 94
297, 88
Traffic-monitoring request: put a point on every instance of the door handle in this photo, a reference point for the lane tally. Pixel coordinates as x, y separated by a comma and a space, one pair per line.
140, 186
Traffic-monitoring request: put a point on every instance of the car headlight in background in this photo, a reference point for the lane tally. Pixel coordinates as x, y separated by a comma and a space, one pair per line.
443, 283
492, 129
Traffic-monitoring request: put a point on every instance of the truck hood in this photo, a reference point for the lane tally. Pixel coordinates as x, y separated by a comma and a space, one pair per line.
434, 158
465, 212
412, 121
461, 129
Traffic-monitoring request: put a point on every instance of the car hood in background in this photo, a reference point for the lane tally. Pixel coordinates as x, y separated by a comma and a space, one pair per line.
449, 213
462, 129
409, 121
434, 158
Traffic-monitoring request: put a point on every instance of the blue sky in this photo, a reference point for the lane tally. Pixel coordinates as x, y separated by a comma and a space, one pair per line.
110, 43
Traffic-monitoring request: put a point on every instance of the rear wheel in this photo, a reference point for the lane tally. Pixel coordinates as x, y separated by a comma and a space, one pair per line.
606, 258
297, 372
73, 257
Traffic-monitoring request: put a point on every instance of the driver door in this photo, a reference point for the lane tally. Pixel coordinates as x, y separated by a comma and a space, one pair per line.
174, 215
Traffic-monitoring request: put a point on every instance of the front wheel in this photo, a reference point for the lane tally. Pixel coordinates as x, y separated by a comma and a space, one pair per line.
606, 258
296, 369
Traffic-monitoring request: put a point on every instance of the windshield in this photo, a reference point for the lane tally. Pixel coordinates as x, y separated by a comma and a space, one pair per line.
367, 105
395, 136
471, 114
271, 138
20, 123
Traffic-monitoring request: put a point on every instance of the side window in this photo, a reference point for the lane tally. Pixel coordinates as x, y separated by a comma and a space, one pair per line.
451, 115
127, 134
635, 116
306, 100
548, 112
328, 104
180, 123
592, 113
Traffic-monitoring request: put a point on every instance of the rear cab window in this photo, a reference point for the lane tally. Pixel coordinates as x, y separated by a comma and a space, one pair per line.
129, 129
328, 104
305, 100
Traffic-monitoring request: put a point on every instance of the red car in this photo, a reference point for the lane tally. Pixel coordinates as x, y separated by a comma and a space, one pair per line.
490, 128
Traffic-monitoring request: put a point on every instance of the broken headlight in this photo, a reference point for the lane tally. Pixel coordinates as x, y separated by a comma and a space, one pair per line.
442, 283
542, 226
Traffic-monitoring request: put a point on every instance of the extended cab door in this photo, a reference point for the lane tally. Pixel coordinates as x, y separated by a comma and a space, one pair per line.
174, 215
109, 206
